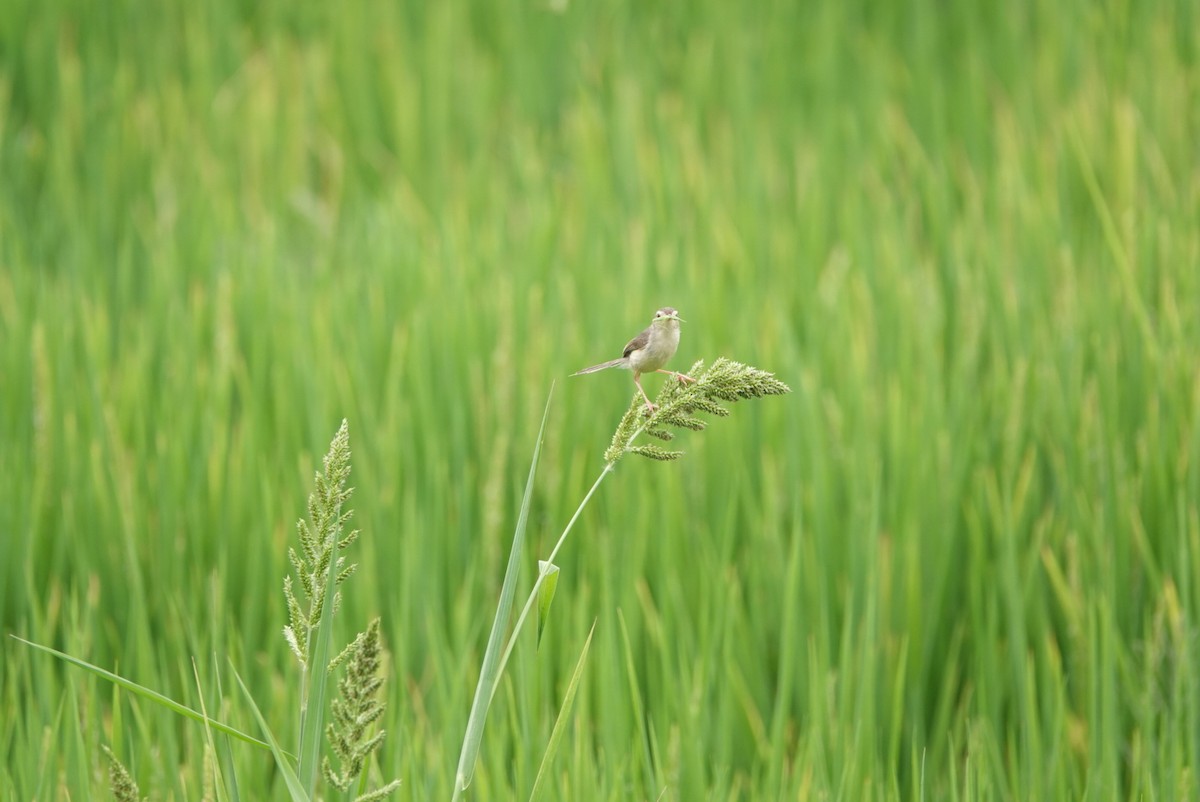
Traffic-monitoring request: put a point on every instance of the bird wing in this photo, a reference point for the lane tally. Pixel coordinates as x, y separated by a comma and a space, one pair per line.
637, 343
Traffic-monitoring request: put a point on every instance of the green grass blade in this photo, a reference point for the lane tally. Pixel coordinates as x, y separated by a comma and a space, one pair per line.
489, 675
147, 693
225, 754
209, 739
560, 724
313, 719
78, 770
639, 707
295, 788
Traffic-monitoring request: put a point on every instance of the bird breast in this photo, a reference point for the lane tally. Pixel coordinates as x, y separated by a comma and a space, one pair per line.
664, 340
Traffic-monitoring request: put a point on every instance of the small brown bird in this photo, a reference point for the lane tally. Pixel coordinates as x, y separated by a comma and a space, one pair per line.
649, 351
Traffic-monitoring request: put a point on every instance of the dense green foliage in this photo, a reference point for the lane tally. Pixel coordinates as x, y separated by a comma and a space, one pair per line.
961, 560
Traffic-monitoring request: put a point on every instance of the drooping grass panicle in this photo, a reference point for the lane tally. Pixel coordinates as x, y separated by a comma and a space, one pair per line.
679, 401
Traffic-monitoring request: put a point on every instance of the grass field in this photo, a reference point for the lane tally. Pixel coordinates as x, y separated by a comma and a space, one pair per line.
961, 560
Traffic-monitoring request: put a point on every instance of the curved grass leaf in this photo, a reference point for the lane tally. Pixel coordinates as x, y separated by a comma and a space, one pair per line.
290, 777
560, 724
489, 674
147, 693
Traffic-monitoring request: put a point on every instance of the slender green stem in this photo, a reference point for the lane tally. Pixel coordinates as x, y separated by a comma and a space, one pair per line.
512, 639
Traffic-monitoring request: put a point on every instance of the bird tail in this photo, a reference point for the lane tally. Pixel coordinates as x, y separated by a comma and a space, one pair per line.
612, 363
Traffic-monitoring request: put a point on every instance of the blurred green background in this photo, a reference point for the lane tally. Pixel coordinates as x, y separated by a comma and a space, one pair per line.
960, 561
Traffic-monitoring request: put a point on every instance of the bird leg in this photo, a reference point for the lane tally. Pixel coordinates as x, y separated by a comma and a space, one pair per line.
683, 377
649, 406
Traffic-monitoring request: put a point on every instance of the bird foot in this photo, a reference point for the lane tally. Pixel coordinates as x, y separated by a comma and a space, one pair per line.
683, 378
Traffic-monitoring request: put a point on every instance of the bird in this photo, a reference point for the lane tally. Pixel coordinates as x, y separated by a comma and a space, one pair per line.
648, 352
